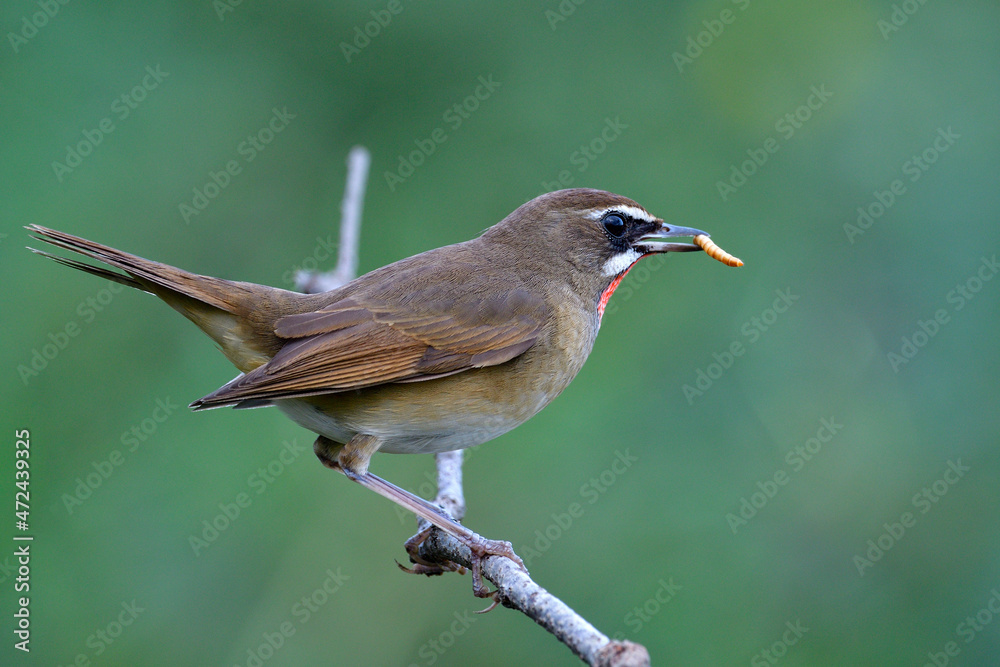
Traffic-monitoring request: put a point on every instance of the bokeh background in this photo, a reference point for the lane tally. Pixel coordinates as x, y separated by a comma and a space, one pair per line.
660, 102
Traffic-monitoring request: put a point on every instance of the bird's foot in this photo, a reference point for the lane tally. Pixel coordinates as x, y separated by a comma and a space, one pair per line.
480, 548
420, 564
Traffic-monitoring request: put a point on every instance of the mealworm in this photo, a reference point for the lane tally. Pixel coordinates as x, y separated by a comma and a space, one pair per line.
715, 252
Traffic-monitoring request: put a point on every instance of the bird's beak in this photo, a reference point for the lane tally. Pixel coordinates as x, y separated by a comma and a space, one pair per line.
656, 242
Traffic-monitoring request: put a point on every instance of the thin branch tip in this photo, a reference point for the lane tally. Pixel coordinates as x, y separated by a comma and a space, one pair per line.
358, 164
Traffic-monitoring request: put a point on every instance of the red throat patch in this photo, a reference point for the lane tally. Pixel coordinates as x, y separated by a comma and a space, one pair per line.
610, 289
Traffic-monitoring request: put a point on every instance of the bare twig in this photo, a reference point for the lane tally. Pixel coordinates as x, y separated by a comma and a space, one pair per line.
449, 482
358, 161
518, 591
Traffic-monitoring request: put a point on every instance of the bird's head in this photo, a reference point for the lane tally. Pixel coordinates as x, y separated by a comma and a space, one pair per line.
591, 237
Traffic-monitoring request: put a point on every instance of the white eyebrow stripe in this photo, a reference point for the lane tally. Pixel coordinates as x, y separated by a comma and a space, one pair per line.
631, 211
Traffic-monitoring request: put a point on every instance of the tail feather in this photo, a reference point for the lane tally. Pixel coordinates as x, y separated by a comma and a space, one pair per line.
128, 281
147, 274
238, 316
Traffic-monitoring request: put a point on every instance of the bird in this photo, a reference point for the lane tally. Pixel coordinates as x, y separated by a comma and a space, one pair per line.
441, 351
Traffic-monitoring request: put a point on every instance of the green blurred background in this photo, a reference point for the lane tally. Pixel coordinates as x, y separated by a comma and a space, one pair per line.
656, 554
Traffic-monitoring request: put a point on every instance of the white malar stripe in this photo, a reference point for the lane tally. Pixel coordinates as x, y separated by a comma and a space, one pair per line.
630, 211
620, 262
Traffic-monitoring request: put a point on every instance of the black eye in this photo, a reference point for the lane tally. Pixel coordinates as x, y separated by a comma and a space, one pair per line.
614, 225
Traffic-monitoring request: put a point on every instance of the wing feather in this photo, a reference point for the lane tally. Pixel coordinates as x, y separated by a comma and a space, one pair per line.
355, 343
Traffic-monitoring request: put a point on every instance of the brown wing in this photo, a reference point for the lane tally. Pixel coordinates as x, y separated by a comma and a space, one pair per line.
356, 342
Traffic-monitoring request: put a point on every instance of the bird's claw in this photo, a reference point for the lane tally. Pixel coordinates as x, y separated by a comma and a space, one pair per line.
495, 595
420, 564
480, 548
433, 569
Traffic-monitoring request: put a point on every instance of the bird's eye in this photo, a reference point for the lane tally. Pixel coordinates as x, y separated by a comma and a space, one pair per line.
614, 225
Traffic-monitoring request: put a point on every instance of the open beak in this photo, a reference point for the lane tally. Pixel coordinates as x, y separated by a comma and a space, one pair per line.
656, 242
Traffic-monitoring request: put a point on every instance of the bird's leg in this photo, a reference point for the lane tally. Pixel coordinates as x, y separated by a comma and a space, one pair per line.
451, 499
352, 460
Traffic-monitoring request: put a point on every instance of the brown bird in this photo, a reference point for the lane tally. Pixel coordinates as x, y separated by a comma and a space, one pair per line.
440, 351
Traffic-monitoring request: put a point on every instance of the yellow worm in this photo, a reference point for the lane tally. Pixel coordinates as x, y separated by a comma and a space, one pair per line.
715, 252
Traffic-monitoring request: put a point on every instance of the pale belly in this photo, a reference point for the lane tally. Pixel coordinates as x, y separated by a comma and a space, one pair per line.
428, 417
419, 436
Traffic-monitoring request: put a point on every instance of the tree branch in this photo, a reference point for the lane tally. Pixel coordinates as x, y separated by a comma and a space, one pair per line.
518, 591
449, 483
358, 161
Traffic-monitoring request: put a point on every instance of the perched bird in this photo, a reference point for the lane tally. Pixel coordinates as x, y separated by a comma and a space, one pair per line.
440, 351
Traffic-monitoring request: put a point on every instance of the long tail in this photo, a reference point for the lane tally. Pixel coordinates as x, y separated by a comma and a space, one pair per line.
238, 316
